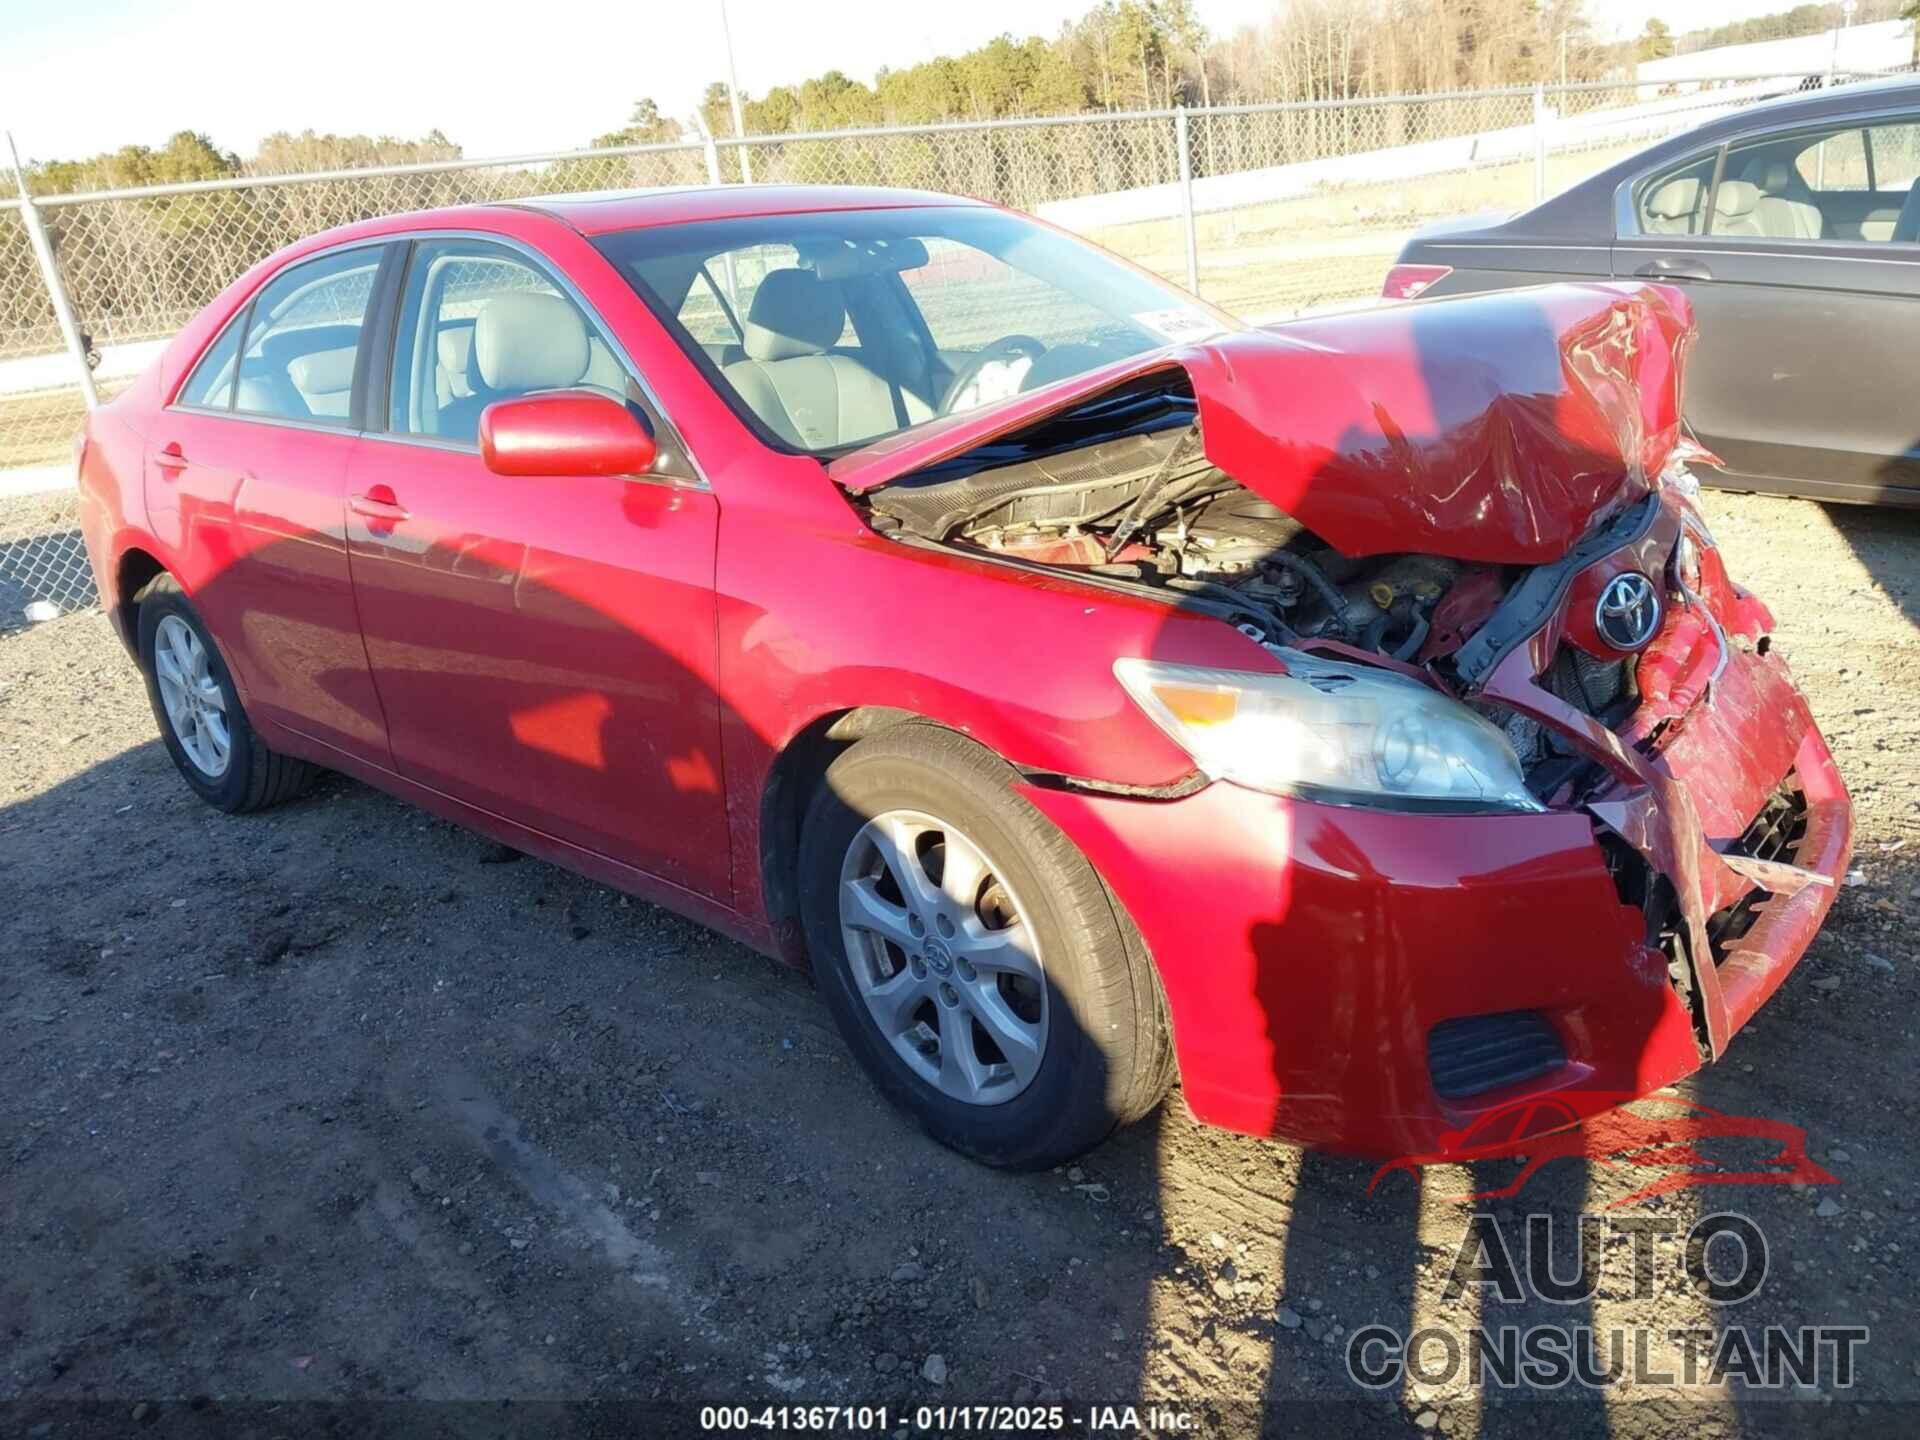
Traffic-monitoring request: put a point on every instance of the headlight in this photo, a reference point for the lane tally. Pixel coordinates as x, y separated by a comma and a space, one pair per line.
1346, 734
1686, 564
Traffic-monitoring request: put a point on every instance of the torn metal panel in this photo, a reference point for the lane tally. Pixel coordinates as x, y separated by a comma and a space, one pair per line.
1496, 428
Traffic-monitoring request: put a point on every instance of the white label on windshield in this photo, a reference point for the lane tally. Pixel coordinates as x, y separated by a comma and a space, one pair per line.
1182, 323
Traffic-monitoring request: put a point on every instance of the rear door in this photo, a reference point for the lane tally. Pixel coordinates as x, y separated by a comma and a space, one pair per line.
543, 648
1808, 304
247, 475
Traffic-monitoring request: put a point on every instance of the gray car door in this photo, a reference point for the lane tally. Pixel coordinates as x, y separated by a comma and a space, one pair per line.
1799, 251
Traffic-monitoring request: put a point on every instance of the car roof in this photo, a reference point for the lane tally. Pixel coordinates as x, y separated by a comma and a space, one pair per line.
602, 211
598, 212
1819, 104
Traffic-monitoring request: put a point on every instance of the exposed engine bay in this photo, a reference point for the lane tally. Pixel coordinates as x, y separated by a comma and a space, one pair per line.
1150, 508
1395, 488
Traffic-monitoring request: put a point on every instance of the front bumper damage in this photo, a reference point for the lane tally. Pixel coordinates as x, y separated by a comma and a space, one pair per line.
1371, 982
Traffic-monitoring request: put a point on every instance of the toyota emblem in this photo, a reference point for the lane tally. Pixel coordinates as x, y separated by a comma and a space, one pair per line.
1629, 611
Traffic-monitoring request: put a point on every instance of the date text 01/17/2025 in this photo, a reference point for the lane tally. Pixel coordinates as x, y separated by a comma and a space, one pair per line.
986, 1419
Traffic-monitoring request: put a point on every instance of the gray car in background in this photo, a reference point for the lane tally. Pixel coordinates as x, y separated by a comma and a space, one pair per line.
1794, 228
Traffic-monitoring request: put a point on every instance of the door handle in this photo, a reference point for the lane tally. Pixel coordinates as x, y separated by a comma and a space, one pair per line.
170, 457
1674, 270
379, 503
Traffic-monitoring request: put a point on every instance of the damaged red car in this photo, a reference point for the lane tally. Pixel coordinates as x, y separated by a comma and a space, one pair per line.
1353, 719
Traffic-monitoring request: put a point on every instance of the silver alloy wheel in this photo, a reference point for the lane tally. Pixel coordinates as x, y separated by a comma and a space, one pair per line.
944, 956
195, 705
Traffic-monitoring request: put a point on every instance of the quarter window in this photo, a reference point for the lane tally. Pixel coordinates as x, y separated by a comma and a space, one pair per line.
1676, 203
211, 384
303, 337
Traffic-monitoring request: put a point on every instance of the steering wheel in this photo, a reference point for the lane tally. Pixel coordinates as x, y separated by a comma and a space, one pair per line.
1007, 347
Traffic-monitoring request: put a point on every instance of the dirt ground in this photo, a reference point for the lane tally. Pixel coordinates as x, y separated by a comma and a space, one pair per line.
341, 1102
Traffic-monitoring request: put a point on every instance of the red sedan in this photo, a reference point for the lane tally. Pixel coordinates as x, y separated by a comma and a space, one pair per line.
1355, 718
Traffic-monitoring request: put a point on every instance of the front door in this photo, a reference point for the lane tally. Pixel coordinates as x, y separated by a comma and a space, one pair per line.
1807, 295
543, 648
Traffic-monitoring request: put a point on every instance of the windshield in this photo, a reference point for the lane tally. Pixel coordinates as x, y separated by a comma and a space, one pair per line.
829, 330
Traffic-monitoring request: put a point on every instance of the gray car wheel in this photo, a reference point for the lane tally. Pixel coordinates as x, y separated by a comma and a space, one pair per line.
976, 965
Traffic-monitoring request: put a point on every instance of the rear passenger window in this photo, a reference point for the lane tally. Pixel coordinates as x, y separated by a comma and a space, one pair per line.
303, 337
479, 323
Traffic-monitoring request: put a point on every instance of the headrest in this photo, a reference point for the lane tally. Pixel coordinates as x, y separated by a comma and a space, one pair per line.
455, 345
1736, 198
324, 372
1676, 199
530, 342
793, 313
1771, 176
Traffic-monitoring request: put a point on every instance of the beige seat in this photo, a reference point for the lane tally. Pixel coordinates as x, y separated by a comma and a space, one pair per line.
1671, 209
806, 395
325, 381
1735, 207
1781, 216
522, 342
455, 349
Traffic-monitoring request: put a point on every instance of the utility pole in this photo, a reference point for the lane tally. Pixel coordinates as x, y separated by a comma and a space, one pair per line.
1846, 23
733, 98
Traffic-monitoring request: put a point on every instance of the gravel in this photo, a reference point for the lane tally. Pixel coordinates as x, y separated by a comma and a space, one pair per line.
339, 1101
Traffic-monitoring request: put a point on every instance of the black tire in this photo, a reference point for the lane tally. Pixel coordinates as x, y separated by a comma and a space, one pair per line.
256, 776
1108, 1058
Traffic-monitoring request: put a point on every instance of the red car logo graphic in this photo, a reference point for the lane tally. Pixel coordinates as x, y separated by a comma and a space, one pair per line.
1598, 1127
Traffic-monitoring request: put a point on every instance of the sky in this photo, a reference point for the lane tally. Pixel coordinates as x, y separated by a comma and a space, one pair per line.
81, 76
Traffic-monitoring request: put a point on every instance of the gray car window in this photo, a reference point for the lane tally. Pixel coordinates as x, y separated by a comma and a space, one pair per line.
1674, 202
480, 323
298, 359
1846, 182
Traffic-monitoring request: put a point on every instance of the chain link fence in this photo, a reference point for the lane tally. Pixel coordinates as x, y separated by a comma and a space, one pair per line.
1266, 210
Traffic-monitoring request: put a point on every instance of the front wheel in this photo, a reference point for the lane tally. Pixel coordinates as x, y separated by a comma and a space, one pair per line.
973, 960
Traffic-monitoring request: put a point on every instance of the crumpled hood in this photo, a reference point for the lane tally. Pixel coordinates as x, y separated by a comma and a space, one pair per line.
1495, 428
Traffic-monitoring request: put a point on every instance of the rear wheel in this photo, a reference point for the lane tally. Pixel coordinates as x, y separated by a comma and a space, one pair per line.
198, 709
973, 960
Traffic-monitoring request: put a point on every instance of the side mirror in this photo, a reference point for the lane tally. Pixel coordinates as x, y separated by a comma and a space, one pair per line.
568, 432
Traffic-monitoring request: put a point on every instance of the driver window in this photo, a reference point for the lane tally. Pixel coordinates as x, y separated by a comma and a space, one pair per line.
479, 323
